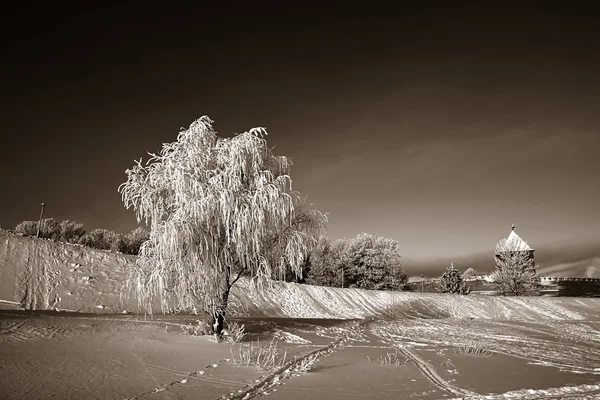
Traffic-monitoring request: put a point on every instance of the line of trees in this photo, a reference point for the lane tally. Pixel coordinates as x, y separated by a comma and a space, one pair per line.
364, 262
73, 232
371, 262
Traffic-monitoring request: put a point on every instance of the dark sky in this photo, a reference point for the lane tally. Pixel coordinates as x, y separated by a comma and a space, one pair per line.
436, 126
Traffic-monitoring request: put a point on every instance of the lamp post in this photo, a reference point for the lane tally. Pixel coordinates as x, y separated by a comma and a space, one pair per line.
422, 282
40, 221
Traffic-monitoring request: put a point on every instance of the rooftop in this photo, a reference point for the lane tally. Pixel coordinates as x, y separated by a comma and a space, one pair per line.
515, 241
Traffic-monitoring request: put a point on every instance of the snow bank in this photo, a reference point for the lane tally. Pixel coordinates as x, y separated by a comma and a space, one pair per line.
42, 274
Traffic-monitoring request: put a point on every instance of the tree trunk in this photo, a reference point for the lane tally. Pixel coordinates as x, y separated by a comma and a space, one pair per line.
218, 315
217, 319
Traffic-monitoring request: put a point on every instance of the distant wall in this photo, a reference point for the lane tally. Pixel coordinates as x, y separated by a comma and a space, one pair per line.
424, 286
550, 286
548, 280
478, 285
574, 287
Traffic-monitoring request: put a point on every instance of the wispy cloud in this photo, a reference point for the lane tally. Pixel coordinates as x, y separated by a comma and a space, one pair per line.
587, 268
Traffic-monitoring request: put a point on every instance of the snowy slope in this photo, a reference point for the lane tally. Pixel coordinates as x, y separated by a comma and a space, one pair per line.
44, 275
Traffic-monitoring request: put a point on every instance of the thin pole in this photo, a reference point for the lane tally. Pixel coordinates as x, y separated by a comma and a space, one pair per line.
40, 221
422, 282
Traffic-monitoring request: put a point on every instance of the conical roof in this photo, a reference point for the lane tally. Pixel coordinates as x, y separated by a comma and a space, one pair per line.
515, 241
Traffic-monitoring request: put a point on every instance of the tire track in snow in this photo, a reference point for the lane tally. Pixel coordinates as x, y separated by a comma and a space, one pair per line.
12, 328
262, 386
21, 332
430, 373
575, 393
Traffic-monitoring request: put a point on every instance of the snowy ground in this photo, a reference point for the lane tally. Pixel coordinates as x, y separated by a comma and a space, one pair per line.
74, 356
538, 347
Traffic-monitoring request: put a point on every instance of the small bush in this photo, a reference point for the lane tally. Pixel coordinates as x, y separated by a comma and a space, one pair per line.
235, 332
306, 363
265, 357
202, 328
391, 359
474, 348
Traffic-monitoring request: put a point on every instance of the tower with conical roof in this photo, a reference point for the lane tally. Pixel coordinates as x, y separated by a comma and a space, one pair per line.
513, 246
516, 242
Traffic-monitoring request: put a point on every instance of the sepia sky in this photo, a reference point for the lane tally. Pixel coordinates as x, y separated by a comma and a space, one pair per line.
436, 126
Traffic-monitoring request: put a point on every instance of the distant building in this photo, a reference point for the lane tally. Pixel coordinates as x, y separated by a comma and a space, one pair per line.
513, 247
486, 278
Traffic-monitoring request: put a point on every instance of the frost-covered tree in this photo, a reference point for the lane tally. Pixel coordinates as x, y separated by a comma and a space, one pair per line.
27, 228
71, 231
515, 272
102, 239
49, 228
451, 281
372, 262
326, 263
119, 244
217, 208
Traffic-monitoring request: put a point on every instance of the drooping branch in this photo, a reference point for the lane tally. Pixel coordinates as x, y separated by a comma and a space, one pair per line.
215, 205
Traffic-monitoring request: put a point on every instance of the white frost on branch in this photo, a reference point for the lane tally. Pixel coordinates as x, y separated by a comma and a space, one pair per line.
216, 207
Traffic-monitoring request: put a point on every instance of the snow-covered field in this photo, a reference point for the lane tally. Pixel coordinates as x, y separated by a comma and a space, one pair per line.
74, 355
336, 340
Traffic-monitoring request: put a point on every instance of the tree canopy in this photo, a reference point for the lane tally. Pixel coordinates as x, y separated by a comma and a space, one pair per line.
366, 262
217, 208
